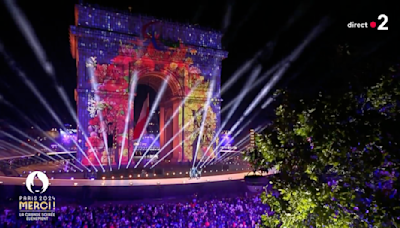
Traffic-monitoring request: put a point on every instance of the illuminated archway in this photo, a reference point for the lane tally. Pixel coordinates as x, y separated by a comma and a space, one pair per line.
170, 101
112, 43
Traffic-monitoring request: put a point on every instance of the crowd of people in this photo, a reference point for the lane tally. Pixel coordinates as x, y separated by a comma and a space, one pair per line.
230, 212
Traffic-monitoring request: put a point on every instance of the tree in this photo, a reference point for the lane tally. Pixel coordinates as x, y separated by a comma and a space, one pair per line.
336, 152
254, 157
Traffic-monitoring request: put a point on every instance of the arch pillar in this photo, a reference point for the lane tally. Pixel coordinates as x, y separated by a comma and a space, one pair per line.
166, 131
162, 124
172, 133
177, 141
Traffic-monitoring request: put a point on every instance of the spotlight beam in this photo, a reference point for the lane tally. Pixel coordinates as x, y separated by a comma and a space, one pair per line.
31, 147
19, 14
63, 148
227, 17
64, 97
26, 29
244, 140
90, 64
22, 152
153, 109
267, 88
267, 102
239, 144
247, 15
227, 156
31, 122
176, 112
41, 145
166, 155
103, 132
37, 45
222, 158
295, 54
239, 72
181, 130
173, 137
272, 98
293, 57
242, 94
33, 88
205, 112
234, 136
44, 147
128, 115
257, 83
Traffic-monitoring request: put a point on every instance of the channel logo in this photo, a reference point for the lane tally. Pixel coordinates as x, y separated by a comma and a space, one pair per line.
380, 25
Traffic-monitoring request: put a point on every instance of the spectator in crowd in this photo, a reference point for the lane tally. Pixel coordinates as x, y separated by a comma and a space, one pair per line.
228, 212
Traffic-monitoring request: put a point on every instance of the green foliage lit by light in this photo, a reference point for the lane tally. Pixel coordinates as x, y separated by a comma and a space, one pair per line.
337, 154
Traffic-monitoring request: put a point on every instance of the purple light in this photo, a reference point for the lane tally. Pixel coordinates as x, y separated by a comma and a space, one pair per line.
226, 140
147, 140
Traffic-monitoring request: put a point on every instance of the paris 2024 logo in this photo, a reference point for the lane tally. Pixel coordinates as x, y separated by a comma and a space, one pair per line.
30, 181
37, 207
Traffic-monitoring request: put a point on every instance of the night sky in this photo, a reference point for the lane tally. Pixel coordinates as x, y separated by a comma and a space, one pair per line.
251, 25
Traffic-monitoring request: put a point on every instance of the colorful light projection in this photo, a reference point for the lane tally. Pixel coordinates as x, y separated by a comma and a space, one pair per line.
195, 56
107, 109
148, 140
193, 116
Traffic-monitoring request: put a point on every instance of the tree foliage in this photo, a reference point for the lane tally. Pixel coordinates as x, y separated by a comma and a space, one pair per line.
336, 152
254, 157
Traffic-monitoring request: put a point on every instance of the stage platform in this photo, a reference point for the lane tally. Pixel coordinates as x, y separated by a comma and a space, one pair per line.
128, 182
159, 172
